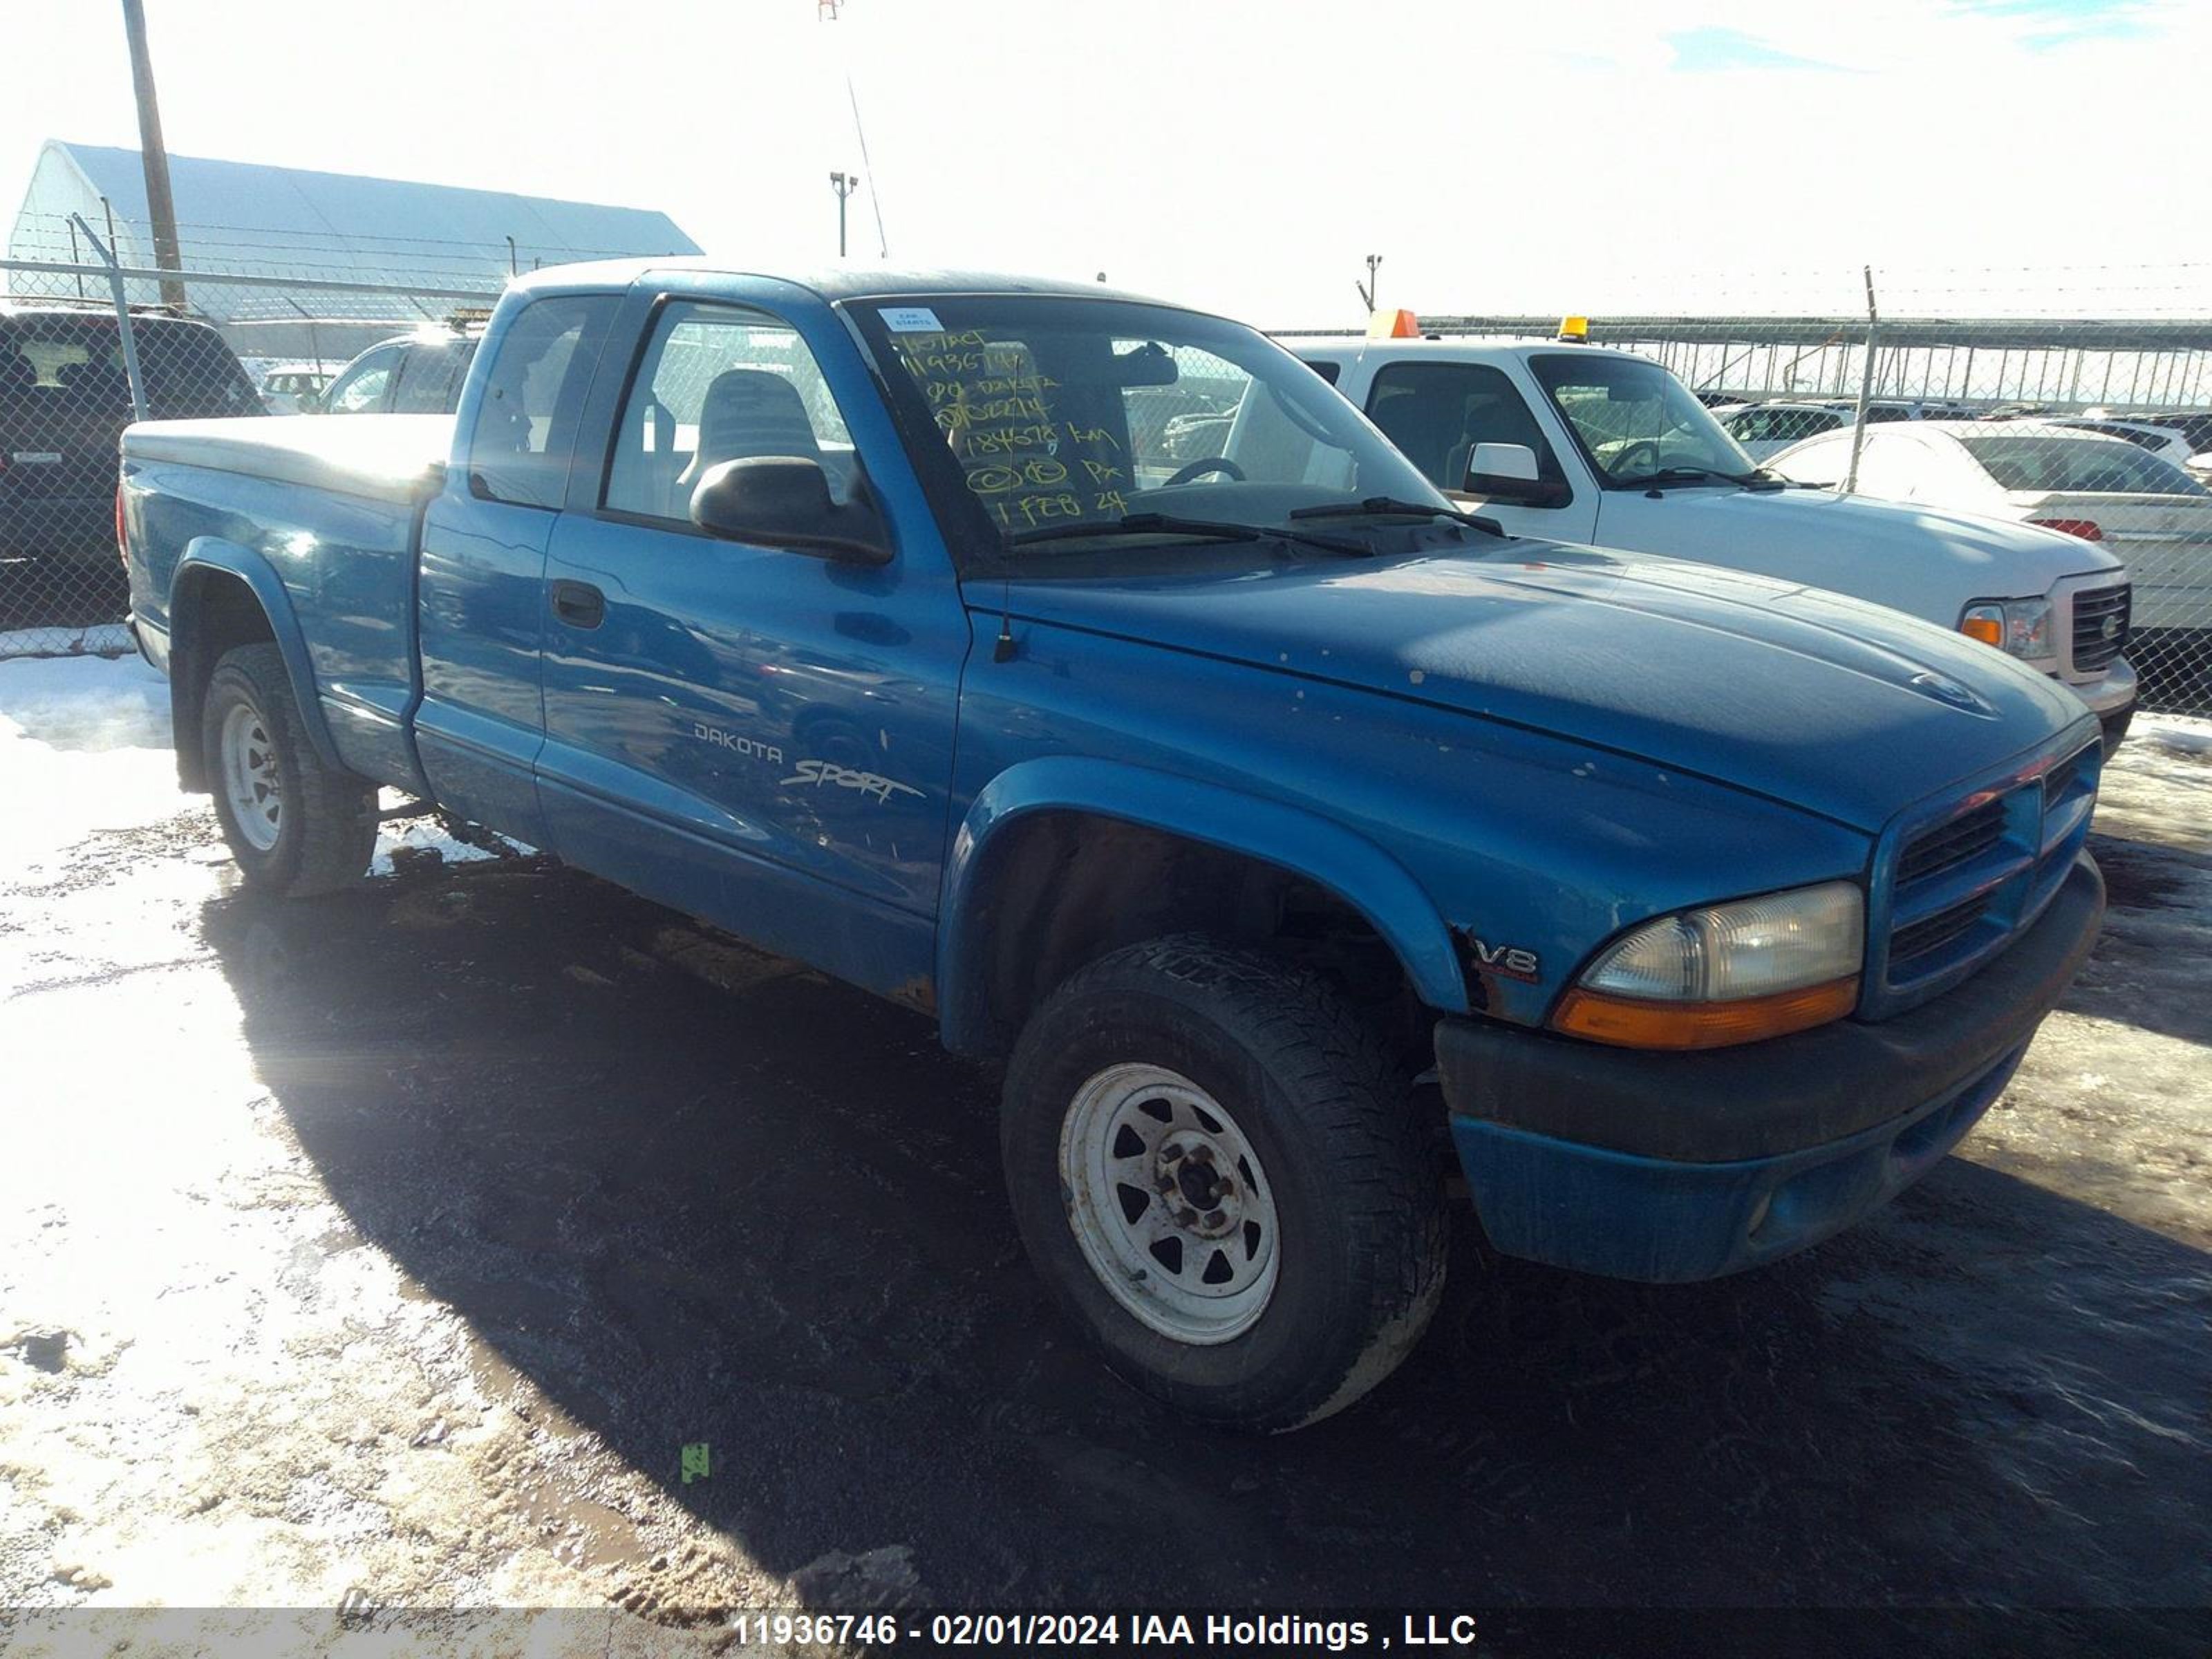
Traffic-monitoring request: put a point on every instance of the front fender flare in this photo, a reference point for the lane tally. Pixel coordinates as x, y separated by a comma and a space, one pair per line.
1327, 854
242, 563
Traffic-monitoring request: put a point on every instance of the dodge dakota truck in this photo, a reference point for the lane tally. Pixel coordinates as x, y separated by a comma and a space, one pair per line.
1581, 443
1281, 829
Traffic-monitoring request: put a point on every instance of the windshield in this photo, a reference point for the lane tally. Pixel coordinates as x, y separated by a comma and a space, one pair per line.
2038, 461
1634, 420
1058, 413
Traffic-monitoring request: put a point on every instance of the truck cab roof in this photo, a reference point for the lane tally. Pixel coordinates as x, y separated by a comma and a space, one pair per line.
833, 283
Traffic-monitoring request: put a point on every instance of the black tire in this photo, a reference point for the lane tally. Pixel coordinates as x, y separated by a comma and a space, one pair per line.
325, 834
1357, 1184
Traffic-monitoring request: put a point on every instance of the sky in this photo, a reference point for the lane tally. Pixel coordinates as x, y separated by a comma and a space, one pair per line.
1591, 155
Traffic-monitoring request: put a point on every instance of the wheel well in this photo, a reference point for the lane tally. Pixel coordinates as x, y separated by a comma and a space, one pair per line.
215, 612
1069, 887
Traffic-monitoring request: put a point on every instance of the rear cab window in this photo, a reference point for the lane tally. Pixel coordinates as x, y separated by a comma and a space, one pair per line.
530, 396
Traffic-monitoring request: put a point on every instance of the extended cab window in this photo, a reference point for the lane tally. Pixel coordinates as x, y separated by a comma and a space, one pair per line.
719, 384
1438, 412
533, 389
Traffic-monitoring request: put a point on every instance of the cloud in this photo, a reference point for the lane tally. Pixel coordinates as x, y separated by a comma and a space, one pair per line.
1705, 50
2049, 23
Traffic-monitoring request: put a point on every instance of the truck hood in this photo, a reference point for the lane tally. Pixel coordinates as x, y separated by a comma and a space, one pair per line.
1857, 546
1827, 703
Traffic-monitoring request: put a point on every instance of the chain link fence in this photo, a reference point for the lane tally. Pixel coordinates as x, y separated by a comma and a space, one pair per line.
2079, 401
87, 346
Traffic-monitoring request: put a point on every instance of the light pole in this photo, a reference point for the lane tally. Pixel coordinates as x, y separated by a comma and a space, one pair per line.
844, 183
1367, 288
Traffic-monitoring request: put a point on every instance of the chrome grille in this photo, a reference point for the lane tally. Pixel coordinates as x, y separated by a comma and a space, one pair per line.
2093, 611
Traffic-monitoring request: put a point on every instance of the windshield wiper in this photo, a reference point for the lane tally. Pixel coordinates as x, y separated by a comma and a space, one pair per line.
1382, 507
1757, 478
1162, 524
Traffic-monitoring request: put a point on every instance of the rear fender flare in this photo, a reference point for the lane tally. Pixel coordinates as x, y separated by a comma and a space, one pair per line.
1333, 858
211, 553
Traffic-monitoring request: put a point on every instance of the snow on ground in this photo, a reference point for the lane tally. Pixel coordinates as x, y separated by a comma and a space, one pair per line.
85, 748
286, 1318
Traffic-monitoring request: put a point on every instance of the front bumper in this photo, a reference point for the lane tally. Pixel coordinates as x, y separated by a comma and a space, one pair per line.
1667, 1167
2112, 699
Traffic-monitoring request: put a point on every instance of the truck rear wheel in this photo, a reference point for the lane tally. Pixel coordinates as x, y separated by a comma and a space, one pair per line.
296, 826
1216, 1177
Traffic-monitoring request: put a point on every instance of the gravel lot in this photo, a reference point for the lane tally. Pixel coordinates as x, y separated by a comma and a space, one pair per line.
393, 1247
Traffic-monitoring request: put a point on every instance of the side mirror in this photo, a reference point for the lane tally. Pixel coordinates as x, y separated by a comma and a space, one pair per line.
1507, 472
783, 500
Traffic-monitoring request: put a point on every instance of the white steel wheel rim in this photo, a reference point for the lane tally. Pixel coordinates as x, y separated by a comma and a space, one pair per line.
250, 780
1169, 1204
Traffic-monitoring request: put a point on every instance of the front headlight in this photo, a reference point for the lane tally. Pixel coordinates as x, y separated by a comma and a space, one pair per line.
1724, 973
2021, 627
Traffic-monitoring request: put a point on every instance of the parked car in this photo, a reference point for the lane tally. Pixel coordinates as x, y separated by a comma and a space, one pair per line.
2165, 442
1764, 429
64, 400
1880, 410
1228, 801
1610, 449
2194, 426
289, 388
415, 375
2054, 475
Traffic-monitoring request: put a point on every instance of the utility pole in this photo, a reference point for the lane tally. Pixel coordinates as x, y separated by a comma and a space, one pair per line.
844, 183
160, 206
1367, 288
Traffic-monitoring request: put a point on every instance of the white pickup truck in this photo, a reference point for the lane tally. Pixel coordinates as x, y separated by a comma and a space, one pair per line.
1580, 443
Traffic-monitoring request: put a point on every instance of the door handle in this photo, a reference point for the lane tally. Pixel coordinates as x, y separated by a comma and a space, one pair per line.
578, 603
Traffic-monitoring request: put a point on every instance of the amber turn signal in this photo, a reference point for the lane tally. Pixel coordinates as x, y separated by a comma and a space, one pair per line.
1638, 1023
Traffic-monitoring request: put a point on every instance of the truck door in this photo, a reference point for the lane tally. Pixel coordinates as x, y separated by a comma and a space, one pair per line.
757, 735
481, 597
1436, 412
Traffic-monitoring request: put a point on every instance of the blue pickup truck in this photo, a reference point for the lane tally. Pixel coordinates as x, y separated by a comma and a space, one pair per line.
1282, 829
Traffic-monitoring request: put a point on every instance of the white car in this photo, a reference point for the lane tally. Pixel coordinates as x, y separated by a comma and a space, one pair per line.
1764, 429
288, 388
1583, 443
2051, 474
2161, 441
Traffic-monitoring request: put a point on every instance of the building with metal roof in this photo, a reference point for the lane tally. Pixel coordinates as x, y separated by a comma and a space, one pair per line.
323, 230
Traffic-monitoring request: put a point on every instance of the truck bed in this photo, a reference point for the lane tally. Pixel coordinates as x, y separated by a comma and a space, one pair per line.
393, 458
318, 513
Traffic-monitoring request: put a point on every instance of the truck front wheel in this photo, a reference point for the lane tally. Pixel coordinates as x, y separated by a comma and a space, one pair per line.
296, 826
1216, 1177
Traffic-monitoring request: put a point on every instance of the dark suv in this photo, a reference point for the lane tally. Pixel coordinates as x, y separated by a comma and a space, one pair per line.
64, 400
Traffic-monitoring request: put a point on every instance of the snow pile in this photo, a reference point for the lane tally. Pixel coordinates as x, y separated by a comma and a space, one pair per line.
84, 746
